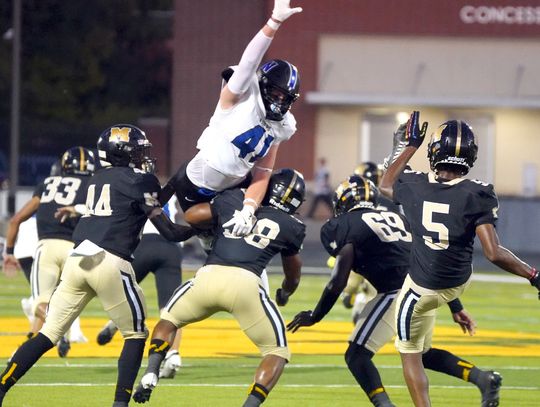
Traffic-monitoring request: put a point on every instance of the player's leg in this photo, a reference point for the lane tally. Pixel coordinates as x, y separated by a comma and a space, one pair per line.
489, 382
114, 281
68, 300
168, 275
190, 302
141, 264
51, 255
261, 320
375, 327
415, 317
26, 303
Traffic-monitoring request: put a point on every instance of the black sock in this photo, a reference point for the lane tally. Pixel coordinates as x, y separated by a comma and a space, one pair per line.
259, 392
129, 363
364, 371
157, 352
446, 362
25, 357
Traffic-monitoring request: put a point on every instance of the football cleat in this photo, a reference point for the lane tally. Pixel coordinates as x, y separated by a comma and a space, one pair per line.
170, 365
106, 334
490, 385
144, 389
63, 346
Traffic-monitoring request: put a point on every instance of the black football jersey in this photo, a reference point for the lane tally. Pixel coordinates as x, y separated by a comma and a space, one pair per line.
381, 244
275, 232
53, 193
443, 217
118, 202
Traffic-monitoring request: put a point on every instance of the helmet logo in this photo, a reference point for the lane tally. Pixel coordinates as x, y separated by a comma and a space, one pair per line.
438, 133
269, 66
293, 78
119, 134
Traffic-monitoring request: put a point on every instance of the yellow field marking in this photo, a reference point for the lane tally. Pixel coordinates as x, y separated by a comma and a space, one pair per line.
223, 338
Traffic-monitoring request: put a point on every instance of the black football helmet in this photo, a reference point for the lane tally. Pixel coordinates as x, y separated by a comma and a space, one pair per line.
279, 82
77, 161
370, 171
123, 145
286, 190
453, 143
355, 192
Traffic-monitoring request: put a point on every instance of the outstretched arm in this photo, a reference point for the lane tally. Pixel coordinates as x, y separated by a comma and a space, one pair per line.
244, 220
338, 281
499, 255
252, 56
414, 136
168, 229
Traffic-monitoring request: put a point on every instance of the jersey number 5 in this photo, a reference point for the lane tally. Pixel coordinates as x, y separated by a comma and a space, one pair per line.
428, 210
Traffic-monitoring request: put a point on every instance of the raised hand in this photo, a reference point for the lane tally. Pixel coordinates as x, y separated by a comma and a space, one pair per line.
415, 135
282, 10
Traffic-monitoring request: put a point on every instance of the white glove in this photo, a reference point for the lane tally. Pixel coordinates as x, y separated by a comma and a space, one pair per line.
149, 381
283, 11
242, 221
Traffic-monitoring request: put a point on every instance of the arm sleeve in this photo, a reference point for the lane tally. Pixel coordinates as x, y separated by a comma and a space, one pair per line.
251, 58
39, 189
295, 244
146, 191
488, 206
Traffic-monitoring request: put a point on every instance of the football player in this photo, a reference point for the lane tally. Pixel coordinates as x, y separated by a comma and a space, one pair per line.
376, 243
251, 119
120, 198
55, 237
445, 212
230, 281
157, 255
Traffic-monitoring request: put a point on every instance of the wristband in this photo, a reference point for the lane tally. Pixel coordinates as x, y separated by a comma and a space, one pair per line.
455, 306
10, 250
250, 200
273, 24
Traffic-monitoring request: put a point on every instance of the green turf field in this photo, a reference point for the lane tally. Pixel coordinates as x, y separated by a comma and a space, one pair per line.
508, 340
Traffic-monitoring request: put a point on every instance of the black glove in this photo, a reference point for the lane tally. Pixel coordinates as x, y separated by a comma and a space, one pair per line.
303, 318
414, 134
535, 280
282, 297
348, 300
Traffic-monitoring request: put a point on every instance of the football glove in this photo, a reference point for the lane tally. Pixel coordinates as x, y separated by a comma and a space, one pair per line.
242, 221
415, 135
304, 318
282, 10
398, 145
282, 297
348, 300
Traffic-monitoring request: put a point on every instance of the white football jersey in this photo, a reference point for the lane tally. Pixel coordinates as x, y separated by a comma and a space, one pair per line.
235, 139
